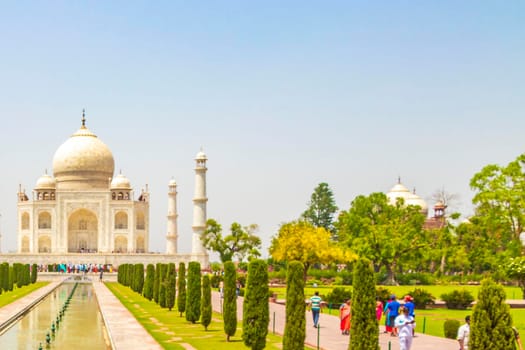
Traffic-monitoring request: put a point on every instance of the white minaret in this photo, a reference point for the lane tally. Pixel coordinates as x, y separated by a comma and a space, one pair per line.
171, 237
199, 204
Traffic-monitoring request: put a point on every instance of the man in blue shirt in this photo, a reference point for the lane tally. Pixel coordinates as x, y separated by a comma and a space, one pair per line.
315, 306
393, 312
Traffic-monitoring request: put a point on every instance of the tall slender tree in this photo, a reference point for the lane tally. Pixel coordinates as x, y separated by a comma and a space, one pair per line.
256, 312
171, 282
193, 300
181, 287
206, 310
294, 330
364, 322
148, 283
162, 284
321, 209
491, 323
229, 308
156, 283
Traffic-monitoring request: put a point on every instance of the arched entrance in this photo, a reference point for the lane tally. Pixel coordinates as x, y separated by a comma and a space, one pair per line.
82, 235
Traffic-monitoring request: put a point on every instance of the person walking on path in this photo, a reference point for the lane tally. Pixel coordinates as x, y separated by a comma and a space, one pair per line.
405, 323
101, 274
463, 334
409, 304
393, 312
315, 306
379, 309
345, 316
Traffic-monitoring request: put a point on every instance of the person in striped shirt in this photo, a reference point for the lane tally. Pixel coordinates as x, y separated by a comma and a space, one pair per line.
315, 306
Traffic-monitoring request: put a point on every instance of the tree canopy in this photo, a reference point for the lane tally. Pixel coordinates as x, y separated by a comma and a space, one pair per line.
302, 241
321, 209
388, 235
241, 243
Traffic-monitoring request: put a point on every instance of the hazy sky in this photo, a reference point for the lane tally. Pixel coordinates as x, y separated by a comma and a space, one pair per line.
281, 95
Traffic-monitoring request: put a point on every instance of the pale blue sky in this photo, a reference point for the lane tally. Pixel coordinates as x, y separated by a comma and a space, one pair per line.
282, 95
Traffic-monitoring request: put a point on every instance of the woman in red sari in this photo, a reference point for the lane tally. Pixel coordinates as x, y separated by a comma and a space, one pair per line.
345, 315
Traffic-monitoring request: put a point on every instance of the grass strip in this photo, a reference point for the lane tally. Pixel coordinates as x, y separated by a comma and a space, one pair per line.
172, 331
17, 293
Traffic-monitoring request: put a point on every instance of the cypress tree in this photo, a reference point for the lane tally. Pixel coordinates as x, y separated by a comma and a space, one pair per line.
139, 278
11, 282
170, 286
363, 333
181, 287
193, 299
295, 327
206, 311
156, 283
256, 312
130, 275
229, 306
34, 272
491, 323
148, 283
162, 285
5, 276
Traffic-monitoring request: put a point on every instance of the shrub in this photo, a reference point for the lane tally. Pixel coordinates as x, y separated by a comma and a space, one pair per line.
383, 294
171, 282
415, 278
181, 287
229, 312
491, 323
337, 297
294, 330
451, 328
215, 280
422, 298
148, 283
34, 271
206, 310
458, 299
363, 334
256, 311
193, 296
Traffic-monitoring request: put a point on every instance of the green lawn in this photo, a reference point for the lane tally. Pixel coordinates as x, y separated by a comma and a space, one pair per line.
17, 293
431, 319
171, 330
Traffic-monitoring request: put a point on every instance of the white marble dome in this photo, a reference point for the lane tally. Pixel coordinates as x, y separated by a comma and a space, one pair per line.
398, 191
83, 162
120, 182
45, 182
414, 199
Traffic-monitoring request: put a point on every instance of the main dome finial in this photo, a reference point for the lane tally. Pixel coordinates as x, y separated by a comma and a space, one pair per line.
83, 117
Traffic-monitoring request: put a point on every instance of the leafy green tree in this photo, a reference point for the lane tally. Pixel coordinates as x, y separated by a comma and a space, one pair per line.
171, 282
256, 312
500, 198
321, 209
516, 270
491, 323
364, 323
181, 287
294, 330
148, 283
301, 241
229, 308
206, 310
193, 300
388, 235
241, 243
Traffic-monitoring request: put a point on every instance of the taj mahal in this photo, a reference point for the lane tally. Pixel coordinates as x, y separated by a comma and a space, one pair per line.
83, 212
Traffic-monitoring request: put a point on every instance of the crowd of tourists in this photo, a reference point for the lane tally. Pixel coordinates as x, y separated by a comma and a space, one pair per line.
75, 268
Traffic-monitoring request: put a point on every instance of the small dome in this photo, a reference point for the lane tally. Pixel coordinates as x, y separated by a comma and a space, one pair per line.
398, 191
414, 199
172, 182
83, 161
120, 182
201, 156
45, 182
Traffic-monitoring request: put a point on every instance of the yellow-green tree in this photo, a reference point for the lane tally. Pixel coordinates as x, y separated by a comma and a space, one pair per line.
302, 241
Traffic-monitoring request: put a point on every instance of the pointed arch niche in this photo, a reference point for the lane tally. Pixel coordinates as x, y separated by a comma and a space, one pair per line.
82, 232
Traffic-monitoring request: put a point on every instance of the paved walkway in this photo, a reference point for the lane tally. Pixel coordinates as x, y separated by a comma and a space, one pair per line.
126, 333
329, 335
